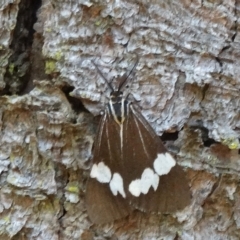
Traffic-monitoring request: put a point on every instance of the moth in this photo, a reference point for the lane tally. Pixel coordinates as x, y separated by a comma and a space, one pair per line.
131, 168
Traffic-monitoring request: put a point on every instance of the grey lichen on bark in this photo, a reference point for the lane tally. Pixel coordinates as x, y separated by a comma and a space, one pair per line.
186, 82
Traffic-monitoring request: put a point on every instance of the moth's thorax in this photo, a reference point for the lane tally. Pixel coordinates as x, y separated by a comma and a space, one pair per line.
118, 107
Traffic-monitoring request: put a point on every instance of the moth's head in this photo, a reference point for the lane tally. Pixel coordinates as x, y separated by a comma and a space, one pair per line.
116, 96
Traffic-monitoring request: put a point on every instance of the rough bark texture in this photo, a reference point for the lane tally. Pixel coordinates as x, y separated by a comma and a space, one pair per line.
187, 81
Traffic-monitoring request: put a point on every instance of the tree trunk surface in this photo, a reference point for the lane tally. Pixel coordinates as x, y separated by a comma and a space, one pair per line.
187, 85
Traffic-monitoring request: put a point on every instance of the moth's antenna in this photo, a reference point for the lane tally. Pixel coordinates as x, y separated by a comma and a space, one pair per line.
100, 73
124, 82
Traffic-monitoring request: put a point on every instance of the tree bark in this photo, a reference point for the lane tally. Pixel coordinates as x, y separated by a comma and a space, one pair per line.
186, 85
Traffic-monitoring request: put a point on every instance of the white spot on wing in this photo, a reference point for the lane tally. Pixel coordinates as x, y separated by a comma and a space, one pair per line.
116, 185
101, 172
135, 187
121, 139
163, 163
148, 179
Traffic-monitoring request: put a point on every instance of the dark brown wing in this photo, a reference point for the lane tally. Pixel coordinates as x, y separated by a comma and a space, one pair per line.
172, 194
173, 191
102, 205
140, 146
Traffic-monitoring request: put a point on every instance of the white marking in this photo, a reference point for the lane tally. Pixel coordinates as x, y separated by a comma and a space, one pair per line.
101, 172
116, 185
163, 163
113, 113
108, 142
148, 179
121, 139
122, 110
135, 187
121, 123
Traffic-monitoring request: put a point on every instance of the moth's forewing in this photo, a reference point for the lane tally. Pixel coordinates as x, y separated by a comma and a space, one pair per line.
102, 205
142, 146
